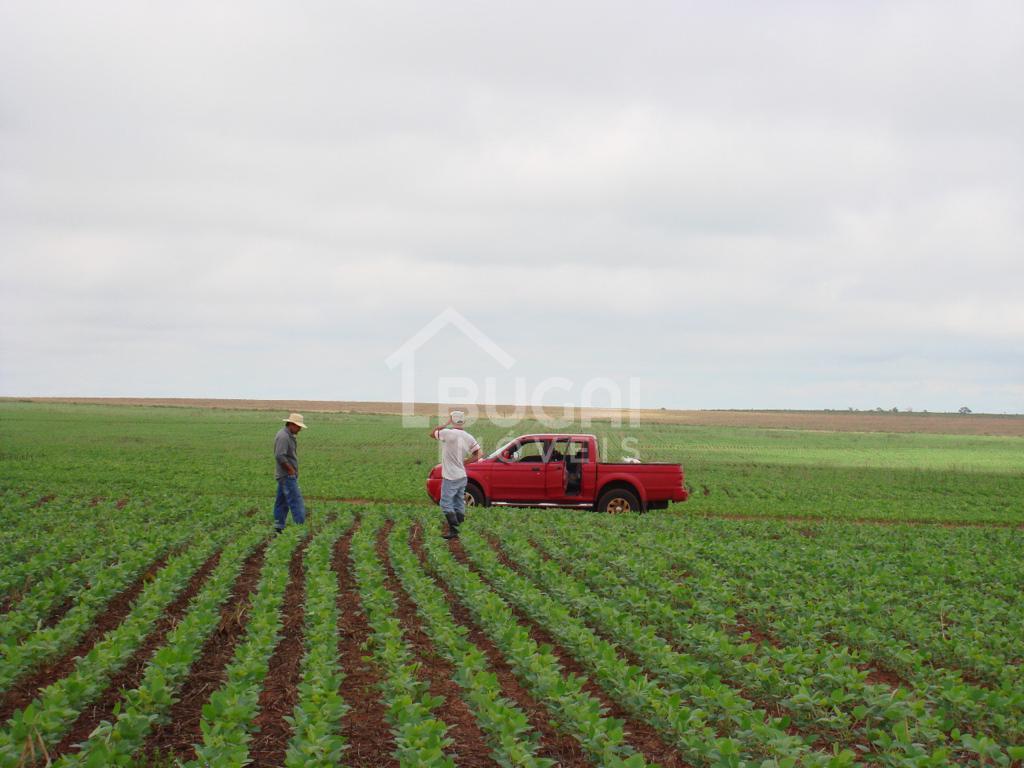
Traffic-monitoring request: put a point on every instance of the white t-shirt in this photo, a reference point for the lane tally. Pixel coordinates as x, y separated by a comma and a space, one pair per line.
456, 444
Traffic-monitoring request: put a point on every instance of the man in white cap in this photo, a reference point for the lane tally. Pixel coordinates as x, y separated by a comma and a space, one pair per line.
286, 462
455, 444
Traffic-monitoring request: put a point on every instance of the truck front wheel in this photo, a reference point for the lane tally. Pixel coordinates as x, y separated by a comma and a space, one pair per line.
618, 501
474, 496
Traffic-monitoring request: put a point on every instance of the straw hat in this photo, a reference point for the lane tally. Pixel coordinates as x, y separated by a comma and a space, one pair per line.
296, 419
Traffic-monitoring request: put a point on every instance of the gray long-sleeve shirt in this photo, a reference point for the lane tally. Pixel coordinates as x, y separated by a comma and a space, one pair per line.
285, 446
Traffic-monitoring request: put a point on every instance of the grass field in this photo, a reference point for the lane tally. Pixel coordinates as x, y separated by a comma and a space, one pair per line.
130, 452
788, 614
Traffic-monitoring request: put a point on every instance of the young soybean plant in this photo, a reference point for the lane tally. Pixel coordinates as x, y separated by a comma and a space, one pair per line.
753, 741
693, 680
115, 742
17, 659
316, 720
576, 711
45, 720
836, 699
507, 728
229, 715
421, 738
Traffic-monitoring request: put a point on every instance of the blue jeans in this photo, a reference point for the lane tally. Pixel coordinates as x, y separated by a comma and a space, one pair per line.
453, 498
288, 497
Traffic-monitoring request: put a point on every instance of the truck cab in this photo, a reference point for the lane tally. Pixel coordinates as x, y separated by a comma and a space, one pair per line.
563, 470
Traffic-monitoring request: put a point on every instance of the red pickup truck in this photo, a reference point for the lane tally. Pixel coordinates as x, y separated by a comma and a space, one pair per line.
564, 471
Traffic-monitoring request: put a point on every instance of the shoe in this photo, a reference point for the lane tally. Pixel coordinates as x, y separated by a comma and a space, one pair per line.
277, 531
450, 535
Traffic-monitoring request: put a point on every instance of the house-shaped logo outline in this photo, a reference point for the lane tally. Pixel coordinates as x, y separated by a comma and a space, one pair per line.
406, 354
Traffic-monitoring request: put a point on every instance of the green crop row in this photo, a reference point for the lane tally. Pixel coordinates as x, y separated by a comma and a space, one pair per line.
62, 584
316, 720
760, 735
512, 738
114, 742
810, 599
673, 711
18, 658
821, 690
421, 738
44, 721
61, 535
229, 715
684, 579
576, 711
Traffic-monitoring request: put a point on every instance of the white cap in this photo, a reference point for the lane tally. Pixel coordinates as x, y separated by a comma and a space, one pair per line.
458, 417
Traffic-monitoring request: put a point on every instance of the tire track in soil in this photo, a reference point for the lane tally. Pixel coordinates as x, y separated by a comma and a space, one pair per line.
560, 747
176, 737
24, 691
470, 748
364, 726
640, 735
280, 689
131, 674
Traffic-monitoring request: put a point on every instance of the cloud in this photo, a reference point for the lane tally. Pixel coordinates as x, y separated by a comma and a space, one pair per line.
800, 206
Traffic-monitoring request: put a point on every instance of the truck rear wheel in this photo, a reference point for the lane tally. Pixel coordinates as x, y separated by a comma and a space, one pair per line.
618, 501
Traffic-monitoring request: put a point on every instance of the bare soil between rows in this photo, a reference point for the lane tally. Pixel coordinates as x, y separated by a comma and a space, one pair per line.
771, 708
26, 689
470, 748
280, 687
131, 674
364, 726
560, 747
176, 737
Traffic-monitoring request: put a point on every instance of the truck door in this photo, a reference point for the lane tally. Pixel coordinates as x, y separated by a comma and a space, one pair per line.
520, 476
555, 470
575, 480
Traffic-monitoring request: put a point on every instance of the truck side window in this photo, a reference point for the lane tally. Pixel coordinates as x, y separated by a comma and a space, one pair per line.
578, 452
559, 450
531, 451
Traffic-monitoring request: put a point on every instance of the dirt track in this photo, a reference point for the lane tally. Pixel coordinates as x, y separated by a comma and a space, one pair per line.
829, 421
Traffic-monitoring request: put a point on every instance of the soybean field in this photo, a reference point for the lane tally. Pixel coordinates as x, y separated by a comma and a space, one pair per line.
823, 599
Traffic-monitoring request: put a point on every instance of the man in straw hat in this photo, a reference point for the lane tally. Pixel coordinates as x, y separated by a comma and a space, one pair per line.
455, 444
287, 465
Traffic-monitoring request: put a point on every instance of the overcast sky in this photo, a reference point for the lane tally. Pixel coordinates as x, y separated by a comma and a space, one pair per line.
738, 205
